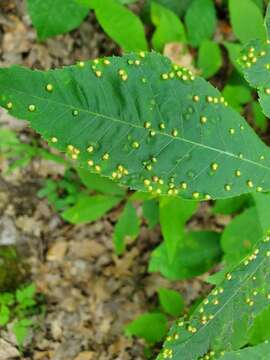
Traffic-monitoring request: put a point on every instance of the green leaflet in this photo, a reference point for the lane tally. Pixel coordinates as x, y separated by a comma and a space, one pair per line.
127, 226
150, 326
243, 232
240, 235
174, 214
171, 301
53, 17
200, 20
222, 321
259, 352
121, 24
151, 212
231, 205
169, 27
90, 208
203, 251
260, 330
247, 20
144, 122
255, 61
258, 116
267, 21
210, 58
234, 50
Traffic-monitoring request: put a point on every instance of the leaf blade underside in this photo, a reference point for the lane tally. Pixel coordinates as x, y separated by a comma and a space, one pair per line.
144, 122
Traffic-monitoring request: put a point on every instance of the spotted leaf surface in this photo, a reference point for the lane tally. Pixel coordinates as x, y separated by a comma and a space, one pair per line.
222, 321
144, 122
259, 352
255, 61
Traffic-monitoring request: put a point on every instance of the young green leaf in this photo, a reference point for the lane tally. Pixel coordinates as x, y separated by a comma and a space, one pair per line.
258, 116
247, 20
210, 58
143, 122
203, 251
237, 95
222, 321
127, 226
25, 296
150, 326
53, 17
267, 21
176, 6
171, 301
230, 206
121, 24
90, 208
169, 27
4, 315
240, 235
21, 330
234, 51
259, 352
260, 331
174, 214
151, 212
200, 20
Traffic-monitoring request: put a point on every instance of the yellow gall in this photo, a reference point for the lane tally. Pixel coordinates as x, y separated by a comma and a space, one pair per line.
237, 173
49, 87
106, 156
195, 195
165, 76
203, 119
32, 108
214, 166
227, 187
147, 125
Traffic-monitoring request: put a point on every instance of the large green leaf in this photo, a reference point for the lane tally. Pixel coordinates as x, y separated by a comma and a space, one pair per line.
259, 352
222, 321
53, 17
121, 24
247, 20
144, 122
255, 61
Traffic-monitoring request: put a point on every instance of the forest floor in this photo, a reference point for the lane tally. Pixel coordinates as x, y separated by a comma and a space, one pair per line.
90, 293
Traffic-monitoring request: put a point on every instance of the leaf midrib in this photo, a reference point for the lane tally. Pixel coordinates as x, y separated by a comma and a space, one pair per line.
181, 139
